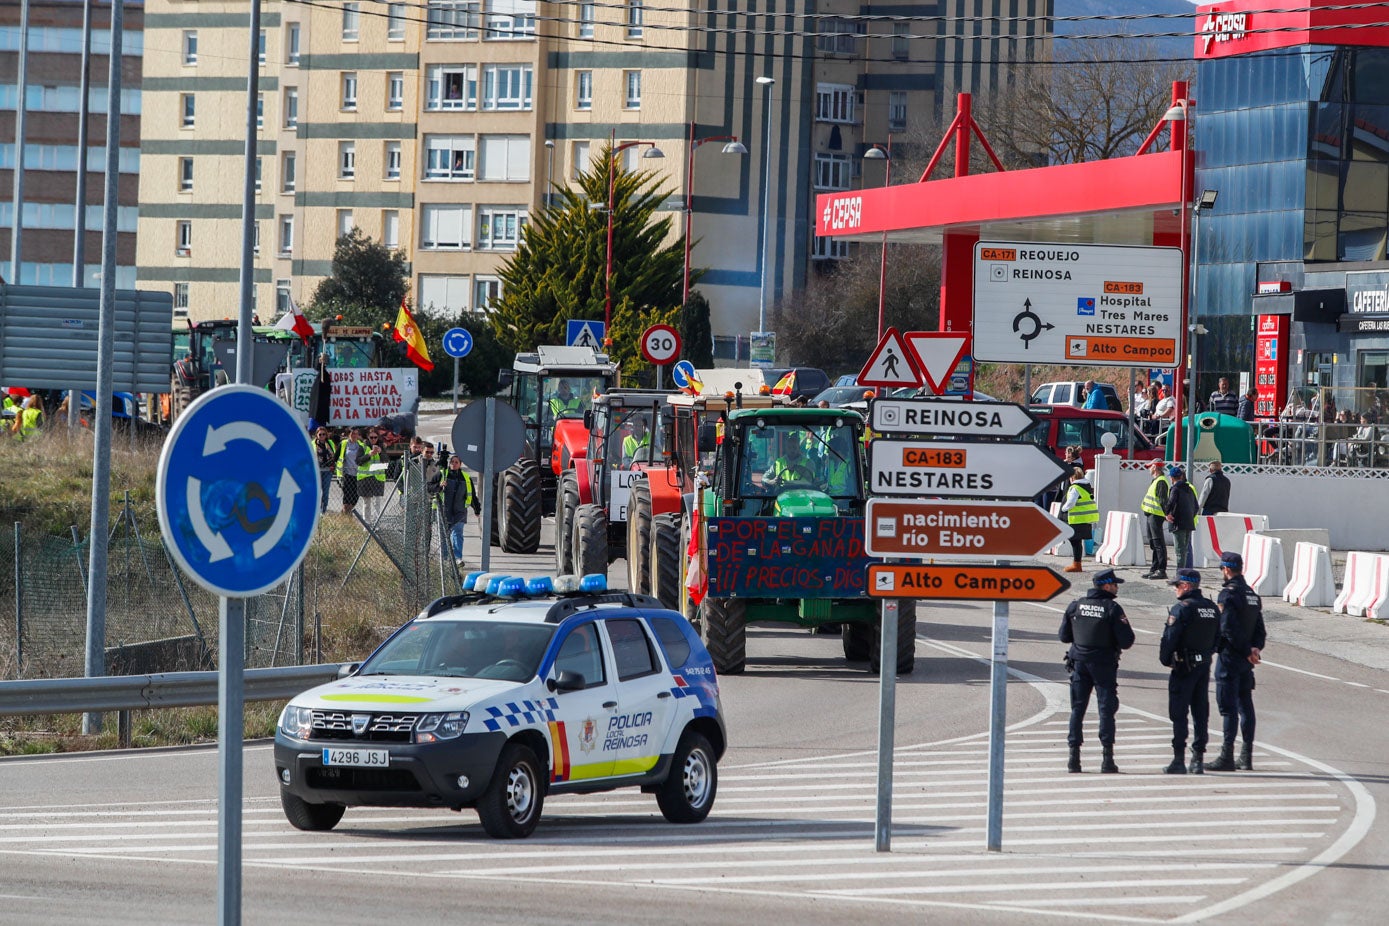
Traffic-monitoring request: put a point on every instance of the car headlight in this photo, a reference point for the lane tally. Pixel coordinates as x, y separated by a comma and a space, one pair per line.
435, 727
296, 721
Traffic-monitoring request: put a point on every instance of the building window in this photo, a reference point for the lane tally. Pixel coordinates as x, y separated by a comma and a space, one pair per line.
185, 174
260, 110
292, 44
282, 298
499, 227
897, 110
183, 238
258, 174
392, 160
345, 223
509, 20
837, 36
579, 158
289, 164
255, 237
486, 290
395, 22
188, 106
286, 234
507, 87
347, 160
834, 103
829, 249
901, 49
632, 81
505, 158
832, 171
586, 20
349, 90
445, 227
451, 20
444, 294
260, 47
449, 157
395, 91
390, 229
583, 89
635, 16
181, 298
291, 107
453, 87
190, 47
351, 22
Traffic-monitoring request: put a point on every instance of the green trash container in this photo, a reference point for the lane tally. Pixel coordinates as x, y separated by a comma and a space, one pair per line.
1218, 437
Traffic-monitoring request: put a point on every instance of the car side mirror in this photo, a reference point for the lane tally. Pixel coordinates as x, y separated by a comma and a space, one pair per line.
566, 680
588, 419
349, 669
505, 378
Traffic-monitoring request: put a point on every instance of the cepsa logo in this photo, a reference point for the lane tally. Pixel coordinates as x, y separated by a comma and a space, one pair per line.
845, 212
1223, 27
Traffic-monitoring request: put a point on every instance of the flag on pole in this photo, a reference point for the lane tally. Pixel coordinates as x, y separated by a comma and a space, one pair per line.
408, 332
295, 321
696, 582
786, 385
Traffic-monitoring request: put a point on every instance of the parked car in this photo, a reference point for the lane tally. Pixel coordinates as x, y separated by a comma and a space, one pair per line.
1070, 394
1062, 426
842, 396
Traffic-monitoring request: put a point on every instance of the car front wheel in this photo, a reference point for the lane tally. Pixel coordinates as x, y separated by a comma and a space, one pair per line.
312, 817
510, 807
687, 794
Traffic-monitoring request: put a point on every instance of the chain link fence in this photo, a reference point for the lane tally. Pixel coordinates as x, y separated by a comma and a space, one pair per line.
366, 572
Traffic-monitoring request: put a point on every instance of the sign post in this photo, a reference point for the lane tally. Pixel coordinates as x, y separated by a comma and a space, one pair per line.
458, 342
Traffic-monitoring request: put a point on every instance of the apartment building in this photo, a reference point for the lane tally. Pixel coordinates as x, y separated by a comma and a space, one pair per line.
52, 103
438, 127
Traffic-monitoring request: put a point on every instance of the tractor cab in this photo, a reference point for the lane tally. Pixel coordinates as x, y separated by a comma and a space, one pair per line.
789, 462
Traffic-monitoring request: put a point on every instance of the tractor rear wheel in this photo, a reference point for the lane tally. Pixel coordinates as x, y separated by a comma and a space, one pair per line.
590, 551
906, 640
565, 506
665, 560
858, 640
518, 517
639, 538
725, 633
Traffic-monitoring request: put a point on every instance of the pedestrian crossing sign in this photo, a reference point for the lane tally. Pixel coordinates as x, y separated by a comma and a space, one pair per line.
891, 364
585, 333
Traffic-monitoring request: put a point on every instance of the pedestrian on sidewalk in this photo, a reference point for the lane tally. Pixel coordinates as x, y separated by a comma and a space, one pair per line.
1188, 640
1098, 632
1082, 513
1154, 508
457, 498
327, 453
1215, 491
1181, 510
1240, 648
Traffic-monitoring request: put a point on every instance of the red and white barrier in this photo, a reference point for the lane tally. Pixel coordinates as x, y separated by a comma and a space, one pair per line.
1064, 547
1220, 532
1263, 564
1377, 602
1122, 542
1312, 584
1361, 586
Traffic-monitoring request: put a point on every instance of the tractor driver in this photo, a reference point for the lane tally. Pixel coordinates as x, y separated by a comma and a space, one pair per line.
565, 403
790, 466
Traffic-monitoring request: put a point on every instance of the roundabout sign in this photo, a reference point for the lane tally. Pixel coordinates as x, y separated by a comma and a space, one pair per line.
238, 491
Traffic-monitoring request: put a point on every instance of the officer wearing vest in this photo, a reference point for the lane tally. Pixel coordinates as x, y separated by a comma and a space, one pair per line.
1155, 519
26, 420
1098, 632
457, 498
351, 453
1082, 513
1188, 642
1240, 650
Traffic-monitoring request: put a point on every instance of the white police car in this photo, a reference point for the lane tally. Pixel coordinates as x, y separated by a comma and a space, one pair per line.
496, 697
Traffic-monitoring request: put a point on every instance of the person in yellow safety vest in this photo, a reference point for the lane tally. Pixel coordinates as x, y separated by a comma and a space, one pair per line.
1155, 519
791, 466
371, 478
1081, 513
350, 454
633, 443
457, 498
565, 402
27, 419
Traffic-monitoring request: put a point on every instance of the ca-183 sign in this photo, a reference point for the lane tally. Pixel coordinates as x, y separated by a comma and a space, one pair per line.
961, 469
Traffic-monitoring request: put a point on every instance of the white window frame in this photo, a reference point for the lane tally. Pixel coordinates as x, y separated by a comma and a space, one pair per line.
430, 283
260, 110
183, 238
282, 296
636, 16
901, 45
351, 22
289, 171
514, 153
395, 22
450, 157
291, 107
292, 35
188, 110
835, 103
827, 248
587, 18
837, 36
897, 110
509, 21
347, 160
345, 222
583, 90
181, 298
459, 223
453, 20
395, 91
832, 171
286, 234
441, 78
500, 228
486, 290
390, 228
631, 89
507, 87
259, 173
185, 175
391, 158
349, 91
190, 47
255, 236
578, 158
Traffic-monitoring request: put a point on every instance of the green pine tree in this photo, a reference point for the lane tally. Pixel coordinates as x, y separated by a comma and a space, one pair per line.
696, 334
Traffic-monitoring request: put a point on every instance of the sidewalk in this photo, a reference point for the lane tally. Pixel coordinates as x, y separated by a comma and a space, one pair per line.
1316, 630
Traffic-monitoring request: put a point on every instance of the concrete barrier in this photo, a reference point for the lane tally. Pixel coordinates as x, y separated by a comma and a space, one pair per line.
1359, 589
1220, 532
1122, 544
1064, 547
1294, 536
1263, 564
1312, 584
1377, 603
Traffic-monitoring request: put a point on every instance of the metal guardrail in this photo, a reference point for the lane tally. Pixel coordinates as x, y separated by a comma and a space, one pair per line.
143, 692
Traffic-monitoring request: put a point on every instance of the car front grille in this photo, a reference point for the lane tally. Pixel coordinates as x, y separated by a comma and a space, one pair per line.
380, 728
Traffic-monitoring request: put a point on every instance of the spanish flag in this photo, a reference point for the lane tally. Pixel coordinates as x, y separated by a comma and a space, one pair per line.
407, 331
786, 385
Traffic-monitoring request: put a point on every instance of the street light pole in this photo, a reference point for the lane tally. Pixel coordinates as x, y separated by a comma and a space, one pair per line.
1178, 115
877, 153
733, 147
613, 151
766, 82
549, 171
1207, 201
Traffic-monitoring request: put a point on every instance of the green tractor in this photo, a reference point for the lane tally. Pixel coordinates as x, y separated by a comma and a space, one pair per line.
780, 536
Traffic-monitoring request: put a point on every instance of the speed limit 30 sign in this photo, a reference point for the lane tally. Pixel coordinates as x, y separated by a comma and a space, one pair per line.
660, 344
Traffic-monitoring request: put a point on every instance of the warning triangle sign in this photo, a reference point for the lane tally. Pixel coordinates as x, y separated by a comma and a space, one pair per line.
891, 364
937, 353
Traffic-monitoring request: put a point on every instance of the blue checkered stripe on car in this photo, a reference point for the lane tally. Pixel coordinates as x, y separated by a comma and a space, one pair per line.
513, 714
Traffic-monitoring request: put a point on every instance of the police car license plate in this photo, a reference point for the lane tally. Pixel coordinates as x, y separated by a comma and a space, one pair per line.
364, 758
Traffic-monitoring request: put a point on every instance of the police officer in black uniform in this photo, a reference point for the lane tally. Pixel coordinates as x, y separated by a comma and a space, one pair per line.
1098, 631
1188, 641
1240, 647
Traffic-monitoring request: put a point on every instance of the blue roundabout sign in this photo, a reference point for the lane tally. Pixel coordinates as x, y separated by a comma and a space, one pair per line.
237, 491
458, 342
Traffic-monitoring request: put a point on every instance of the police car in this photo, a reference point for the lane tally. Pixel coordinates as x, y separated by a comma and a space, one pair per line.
494, 698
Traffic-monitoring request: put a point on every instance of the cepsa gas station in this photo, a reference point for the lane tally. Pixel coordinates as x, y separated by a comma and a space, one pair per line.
1094, 263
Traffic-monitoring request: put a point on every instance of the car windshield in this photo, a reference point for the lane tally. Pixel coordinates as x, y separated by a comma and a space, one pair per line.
811, 455
463, 649
633, 439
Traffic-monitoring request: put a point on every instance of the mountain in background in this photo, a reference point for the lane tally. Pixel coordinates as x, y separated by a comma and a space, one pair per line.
1178, 47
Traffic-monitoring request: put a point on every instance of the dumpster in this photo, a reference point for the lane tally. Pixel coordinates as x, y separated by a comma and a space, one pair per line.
1218, 437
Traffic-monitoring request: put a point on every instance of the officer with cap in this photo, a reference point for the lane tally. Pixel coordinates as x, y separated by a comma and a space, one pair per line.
1240, 647
1188, 641
1098, 631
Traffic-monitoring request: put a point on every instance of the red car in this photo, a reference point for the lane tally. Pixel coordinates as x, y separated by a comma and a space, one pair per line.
1062, 426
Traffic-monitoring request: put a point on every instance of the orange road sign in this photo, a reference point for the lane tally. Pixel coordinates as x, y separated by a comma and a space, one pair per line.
965, 581
1136, 351
970, 530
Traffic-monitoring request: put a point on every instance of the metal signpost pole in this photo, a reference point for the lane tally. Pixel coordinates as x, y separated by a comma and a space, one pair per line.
998, 721
887, 722
485, 528
455, 385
